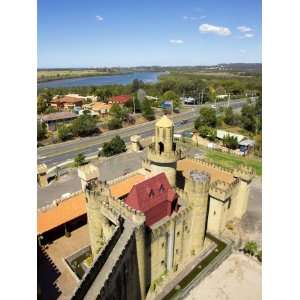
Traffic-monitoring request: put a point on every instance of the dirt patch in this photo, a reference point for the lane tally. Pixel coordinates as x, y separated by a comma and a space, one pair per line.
239, 277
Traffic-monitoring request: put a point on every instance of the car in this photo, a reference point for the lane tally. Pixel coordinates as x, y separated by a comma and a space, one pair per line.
183, 122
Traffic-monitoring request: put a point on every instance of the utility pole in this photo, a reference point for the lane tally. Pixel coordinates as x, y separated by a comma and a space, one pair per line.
228, 101
133, 105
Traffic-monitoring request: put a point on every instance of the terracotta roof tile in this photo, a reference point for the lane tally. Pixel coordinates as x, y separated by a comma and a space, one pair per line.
123, 187
64, 212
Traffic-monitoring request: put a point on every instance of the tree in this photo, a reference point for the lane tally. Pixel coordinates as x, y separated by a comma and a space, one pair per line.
248, 118
79, 160
250, 248
50, 110
230, 142
207, 117
115, 146
64, 132
84, 125
114, 123
207, 132
171, 96
147, 110
41, 105
119, 112
258, 145
136, 84
41, 131
230, 118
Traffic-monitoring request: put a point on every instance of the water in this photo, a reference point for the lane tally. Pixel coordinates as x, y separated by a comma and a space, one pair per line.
147, 77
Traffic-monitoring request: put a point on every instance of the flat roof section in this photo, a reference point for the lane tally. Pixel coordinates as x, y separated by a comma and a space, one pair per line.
186, 165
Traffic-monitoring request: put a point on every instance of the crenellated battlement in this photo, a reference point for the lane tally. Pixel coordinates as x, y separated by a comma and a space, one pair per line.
244, 172
197, 182
221, 190
207, 163
163, 157
161, 227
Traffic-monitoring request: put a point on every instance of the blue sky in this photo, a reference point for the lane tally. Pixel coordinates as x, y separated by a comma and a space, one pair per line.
90, 33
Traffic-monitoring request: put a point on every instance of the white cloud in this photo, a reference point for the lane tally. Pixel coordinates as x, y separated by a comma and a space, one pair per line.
243, 51
244, 29
176, 41
249, 35
193, 18
99, 18
207, 28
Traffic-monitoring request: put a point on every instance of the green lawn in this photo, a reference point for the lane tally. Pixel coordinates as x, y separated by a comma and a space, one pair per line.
232, 161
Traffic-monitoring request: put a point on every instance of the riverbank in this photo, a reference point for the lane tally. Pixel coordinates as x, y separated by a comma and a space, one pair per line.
55, 75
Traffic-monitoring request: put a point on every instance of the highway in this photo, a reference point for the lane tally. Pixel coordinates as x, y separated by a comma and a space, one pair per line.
57, 153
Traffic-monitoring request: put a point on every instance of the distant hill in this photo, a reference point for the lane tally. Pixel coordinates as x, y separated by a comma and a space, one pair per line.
233, 67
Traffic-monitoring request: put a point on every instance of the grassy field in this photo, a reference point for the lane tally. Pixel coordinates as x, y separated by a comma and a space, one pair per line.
232, 161
48, 75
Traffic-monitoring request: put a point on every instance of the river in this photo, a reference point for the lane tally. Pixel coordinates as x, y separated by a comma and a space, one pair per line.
147, 77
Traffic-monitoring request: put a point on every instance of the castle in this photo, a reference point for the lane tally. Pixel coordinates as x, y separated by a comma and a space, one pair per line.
159, 224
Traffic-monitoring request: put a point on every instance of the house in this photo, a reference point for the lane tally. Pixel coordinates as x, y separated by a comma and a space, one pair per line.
101, 108
67, 102
222, 133
54, 119
120, 99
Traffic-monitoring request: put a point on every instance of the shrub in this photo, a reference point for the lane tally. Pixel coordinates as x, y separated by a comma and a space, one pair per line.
84, 125
230, 142
115, 146
250, 248
114, 123
64, 132
79, 160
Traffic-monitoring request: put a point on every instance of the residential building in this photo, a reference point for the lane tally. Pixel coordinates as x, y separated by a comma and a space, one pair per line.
67, 102
54, 119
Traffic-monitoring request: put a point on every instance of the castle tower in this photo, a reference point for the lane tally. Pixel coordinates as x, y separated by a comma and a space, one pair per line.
97, 223
197, 187
162, 152
245, 176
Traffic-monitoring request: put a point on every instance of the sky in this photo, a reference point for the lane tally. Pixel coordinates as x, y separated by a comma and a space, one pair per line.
126, 33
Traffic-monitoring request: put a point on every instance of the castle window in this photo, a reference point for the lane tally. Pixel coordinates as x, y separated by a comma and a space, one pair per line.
214, 212
178, 233
162, 262
163, 245
186, 228
176, 251
151, 193
161, 189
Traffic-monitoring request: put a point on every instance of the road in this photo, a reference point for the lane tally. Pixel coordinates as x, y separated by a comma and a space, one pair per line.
57, 153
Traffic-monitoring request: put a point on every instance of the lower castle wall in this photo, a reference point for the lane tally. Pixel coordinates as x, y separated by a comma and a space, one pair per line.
241, 198
216, 216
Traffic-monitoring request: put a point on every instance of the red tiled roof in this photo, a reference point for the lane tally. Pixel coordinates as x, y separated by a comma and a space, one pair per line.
154, 197
120, 99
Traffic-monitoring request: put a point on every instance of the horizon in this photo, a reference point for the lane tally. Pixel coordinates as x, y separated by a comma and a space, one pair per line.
148, 66
72, 34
